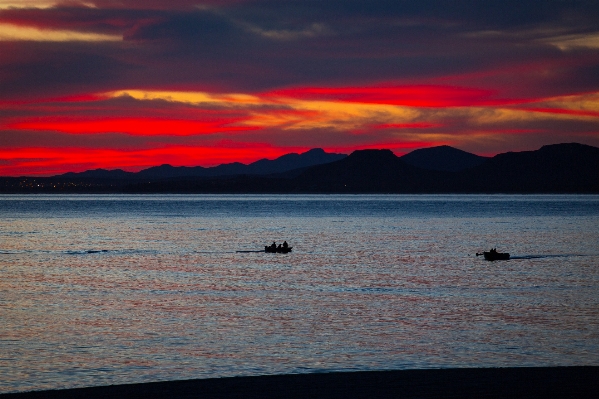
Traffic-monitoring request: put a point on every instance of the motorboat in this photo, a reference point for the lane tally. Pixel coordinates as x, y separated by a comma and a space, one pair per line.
494, 255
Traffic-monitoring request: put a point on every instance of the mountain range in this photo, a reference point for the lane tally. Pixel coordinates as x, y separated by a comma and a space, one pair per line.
316, 156
558, 168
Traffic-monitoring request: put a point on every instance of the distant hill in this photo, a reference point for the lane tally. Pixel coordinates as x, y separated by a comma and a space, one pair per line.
559, 168
568, 167
100, 174
444, 158
316, 156
365, 171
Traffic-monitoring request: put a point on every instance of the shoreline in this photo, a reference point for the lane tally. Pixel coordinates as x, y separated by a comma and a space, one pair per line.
512, 382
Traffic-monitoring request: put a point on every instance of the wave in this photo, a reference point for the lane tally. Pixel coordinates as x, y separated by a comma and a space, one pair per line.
546, 256
81, 252
88, 251
106, 251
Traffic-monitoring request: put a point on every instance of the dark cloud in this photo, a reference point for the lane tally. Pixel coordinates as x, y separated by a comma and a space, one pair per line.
197, 27
161, 4
470, 13
52, 69
258, 45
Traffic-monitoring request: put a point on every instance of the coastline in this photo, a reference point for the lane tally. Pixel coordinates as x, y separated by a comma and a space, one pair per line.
512, 382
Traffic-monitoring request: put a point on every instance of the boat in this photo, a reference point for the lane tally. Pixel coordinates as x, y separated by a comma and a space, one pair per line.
281, 250
494, 255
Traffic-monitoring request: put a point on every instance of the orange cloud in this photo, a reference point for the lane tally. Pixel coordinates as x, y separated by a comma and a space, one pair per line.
13, 32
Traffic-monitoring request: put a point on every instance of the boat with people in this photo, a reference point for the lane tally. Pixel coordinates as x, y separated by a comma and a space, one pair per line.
278, 249
492, 255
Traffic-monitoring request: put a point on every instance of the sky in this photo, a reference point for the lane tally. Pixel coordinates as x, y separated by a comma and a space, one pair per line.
136, 83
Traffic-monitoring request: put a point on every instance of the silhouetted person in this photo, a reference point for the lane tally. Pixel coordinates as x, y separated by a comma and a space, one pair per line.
274, 245
285, 245
279, 247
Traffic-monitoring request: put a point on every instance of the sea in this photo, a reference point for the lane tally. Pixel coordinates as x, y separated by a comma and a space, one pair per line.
113, 289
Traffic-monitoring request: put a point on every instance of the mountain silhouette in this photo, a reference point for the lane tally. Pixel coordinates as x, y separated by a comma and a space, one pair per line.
568, 167
315, 156
100, 174
364, 171
557, 168
443, 158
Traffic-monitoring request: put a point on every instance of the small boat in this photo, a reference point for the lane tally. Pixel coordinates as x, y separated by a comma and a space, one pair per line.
281, 250
494, 255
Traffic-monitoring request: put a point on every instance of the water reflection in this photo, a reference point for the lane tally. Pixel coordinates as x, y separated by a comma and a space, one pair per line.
373, 283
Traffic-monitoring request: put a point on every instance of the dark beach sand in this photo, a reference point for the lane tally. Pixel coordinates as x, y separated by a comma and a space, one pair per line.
542, 382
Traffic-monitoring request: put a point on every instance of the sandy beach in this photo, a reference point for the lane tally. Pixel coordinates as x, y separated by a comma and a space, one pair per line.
533, 382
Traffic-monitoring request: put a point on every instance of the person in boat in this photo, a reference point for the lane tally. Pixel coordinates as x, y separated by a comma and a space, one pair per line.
273, 245
279, 247
285, 245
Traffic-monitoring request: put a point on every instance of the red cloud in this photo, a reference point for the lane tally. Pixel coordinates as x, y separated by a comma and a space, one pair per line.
51, 161
414, 96
397, 148
54, 122
133, 126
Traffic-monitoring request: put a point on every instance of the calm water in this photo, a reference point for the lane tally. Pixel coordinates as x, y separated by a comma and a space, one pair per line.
98, 290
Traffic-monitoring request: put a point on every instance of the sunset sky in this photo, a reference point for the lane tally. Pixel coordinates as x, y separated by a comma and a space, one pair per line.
136, 83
